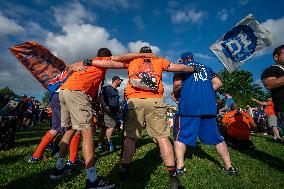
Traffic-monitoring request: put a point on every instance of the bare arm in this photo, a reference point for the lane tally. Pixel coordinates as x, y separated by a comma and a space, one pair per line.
177, 84
260, 102
273, 82
217, 83
180, 68
131, 56
109, 64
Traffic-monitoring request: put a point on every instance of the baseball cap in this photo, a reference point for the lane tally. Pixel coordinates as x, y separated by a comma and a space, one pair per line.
145, 49
186, 55
116, 78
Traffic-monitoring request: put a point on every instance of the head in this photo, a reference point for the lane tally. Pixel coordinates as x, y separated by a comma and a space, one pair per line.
235, 106
278, 55
116, 81
186, 56
104, 52
145, 49
228, 95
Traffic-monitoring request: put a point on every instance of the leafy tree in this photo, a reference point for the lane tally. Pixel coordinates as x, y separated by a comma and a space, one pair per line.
7, 92
46, 97
241, 85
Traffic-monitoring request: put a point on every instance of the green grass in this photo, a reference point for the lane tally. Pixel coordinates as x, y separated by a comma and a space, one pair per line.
262, 168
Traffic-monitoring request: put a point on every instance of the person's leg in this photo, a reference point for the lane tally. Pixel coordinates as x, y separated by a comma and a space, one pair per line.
101, 136
109, 132
222, 150
129, 150
275, 133
74, 145
180, 149
47, 139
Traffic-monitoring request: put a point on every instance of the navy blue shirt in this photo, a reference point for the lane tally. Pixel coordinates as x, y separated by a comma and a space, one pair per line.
111, 97
197, 96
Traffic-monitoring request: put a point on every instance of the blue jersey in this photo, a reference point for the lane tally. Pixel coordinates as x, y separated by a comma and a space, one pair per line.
197, 96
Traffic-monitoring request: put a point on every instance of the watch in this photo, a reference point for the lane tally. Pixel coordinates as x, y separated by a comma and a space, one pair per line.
87, 62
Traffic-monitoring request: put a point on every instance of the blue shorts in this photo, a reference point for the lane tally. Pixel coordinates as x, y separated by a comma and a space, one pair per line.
187, 129
56, 113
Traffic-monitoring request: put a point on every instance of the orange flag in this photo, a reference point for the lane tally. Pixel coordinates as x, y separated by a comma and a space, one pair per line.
42, 64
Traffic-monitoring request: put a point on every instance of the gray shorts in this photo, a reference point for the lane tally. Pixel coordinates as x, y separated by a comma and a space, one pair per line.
272, 121
109, 121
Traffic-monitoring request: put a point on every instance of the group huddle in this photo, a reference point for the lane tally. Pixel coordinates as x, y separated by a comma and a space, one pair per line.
73, 114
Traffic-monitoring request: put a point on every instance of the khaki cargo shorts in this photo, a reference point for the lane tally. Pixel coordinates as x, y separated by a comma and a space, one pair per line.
76, 109
147, 113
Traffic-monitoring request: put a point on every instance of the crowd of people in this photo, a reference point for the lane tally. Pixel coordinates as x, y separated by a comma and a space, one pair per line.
80, 103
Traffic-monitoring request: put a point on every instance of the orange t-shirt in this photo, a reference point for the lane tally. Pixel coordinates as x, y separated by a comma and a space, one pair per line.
87, 81
159, 64
269, 109
238, 124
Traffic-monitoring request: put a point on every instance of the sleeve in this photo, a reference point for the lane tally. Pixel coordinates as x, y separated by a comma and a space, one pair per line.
165, 64
104, 91
269, 72
225, 119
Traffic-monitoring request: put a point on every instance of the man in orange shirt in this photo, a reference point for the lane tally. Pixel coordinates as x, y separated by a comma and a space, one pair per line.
144, 92
272, 119
237, 127
76, 111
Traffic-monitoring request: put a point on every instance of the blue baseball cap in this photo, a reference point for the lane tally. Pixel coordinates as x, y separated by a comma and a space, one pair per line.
186, 55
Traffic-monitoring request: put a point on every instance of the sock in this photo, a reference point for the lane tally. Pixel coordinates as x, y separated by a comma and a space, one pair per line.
172, 171
91, 174
74, 145
60, 163
48, 138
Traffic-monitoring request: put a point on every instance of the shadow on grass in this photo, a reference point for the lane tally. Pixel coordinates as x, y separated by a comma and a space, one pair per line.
140, 171
198, 152
266, 158
38, 180
11, 159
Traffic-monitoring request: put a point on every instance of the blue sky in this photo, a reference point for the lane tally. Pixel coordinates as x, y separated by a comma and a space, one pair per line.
74, 30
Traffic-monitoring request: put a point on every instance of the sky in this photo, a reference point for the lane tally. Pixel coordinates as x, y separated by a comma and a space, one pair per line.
74, 30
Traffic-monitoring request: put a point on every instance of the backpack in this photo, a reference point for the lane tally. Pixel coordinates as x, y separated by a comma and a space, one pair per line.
144, 77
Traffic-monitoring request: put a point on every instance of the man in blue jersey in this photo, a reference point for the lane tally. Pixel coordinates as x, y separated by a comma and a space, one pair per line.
197, 112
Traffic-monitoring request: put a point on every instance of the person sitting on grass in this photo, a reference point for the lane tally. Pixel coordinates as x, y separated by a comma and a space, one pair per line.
237, 125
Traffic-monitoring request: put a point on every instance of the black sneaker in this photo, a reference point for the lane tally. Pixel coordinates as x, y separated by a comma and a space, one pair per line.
100, 183
58, 174
175, 184
181, 171
231, 171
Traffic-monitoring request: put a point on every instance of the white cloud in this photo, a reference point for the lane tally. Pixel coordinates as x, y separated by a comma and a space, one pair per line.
139, 22
188, 16
223, 14
79, 40
276, 28
136, 46
9, 26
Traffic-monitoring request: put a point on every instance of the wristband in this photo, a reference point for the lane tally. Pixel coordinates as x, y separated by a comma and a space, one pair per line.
87, 62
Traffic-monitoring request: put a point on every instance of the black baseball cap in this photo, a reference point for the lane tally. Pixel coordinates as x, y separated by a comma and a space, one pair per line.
116, 78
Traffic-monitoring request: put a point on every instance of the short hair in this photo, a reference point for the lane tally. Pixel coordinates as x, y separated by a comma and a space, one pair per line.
277, 50
104, 52
145, 49
235, 106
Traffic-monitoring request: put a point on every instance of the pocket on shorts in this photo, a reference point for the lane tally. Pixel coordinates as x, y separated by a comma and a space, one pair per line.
86, 115
160, 110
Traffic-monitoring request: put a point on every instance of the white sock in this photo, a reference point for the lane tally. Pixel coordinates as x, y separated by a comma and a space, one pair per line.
91, 174
60, 163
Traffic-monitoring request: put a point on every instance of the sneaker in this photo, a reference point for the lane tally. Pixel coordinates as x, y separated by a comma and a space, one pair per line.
110, 147
181, 170
175, 184
231, 171
33, 159
58, 174
77, 163
100, 183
